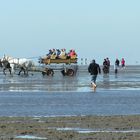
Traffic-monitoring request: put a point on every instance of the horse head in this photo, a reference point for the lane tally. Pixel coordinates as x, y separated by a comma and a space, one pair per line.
4, 61
6, 58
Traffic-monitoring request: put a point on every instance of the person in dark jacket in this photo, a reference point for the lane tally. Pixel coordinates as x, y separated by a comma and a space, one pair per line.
117, 63
94, 69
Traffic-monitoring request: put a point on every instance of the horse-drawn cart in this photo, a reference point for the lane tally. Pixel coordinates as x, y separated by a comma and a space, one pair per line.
67, 66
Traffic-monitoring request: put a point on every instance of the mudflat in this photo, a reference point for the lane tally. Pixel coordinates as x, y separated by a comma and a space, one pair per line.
116, 94
125, 127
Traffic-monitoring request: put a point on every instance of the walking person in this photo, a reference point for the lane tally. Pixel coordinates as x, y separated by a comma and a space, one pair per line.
123, 63
117, 63
105, 67
108, 63
94, 69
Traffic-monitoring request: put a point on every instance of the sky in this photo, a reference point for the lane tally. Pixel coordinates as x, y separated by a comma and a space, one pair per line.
96, 29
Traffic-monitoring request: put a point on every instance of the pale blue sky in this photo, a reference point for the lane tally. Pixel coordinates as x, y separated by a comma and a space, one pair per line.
94, 28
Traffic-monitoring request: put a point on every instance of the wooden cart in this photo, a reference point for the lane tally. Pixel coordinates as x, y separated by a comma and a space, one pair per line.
69, 67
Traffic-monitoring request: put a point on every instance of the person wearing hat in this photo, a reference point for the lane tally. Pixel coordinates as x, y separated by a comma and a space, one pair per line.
94, 69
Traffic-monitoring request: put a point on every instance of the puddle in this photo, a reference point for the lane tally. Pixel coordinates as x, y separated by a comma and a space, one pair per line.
30, 137
86, 130
108, 131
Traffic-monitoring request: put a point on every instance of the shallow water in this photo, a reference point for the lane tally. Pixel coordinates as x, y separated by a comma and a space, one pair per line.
35, 95
89, 130
30, 137
121, 102
128, 78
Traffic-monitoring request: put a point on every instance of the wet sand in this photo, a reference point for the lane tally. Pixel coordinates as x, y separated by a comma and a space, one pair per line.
71, 128
88, 127
127, 78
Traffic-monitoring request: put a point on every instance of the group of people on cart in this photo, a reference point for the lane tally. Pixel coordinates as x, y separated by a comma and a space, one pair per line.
61, 54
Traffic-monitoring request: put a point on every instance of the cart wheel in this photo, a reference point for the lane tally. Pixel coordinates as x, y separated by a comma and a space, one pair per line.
50, 72
70, 72
43, 73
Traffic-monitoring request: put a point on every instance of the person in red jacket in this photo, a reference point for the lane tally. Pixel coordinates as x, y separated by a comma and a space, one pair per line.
123, 63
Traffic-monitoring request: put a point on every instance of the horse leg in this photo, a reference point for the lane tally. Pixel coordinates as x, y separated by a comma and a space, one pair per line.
4, 71
12, 68
27, 71
24, 72
20, 71
10, 71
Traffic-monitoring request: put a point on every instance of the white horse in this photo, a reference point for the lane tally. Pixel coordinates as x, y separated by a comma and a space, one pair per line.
22, 63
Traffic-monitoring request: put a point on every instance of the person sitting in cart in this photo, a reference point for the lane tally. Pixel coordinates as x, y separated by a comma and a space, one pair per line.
62, 54
49, 54
58, 53
72, 54
53, 55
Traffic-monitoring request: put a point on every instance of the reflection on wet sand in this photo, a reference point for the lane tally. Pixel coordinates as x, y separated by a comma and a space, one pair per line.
106, 81
125, 79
